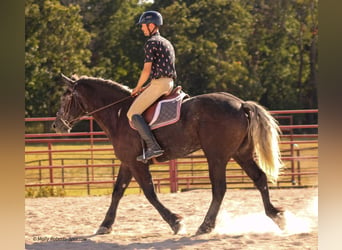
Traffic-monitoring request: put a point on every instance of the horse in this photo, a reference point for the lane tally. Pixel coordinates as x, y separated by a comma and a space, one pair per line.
220, 124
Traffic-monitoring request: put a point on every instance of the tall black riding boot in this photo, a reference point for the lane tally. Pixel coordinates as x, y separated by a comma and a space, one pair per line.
153, 148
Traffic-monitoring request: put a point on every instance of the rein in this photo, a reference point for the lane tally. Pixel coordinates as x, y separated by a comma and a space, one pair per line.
95, 111
109, 105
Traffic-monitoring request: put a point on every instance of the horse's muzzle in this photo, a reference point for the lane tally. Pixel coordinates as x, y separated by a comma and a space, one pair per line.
60, 126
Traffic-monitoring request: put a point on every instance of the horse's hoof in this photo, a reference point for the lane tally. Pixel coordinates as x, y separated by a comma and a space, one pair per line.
280, 220
104, 230
203, 230
178, 226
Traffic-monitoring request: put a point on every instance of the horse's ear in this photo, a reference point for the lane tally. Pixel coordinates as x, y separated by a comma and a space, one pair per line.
68, 81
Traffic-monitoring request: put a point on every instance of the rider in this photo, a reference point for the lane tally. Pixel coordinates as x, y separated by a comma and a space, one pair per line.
159, 70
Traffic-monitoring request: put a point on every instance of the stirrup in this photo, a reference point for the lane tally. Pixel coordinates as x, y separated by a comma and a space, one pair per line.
149, 154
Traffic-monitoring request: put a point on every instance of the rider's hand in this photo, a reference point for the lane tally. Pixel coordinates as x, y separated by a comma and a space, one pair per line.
136, 91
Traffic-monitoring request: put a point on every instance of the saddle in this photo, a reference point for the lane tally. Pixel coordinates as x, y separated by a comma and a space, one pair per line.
166, 110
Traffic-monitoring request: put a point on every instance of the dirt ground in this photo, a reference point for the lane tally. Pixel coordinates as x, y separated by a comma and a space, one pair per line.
70, 222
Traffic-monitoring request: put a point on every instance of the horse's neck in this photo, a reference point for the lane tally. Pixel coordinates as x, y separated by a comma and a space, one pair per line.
101, 95
108, 118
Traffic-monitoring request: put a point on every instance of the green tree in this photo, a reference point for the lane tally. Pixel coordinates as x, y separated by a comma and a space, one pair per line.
55, 42
279, 58
306, 40
275, 61
116, 45
119, 45
210, 39
262, 50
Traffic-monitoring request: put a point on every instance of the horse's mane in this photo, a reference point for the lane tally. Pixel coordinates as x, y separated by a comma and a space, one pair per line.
100, 81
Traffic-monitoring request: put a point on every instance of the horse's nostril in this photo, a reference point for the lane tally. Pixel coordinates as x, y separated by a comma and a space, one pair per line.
53, 126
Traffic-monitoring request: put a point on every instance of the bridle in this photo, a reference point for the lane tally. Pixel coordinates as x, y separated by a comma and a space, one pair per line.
84, 112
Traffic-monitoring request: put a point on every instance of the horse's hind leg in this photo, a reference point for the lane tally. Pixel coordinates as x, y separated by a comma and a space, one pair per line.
123, 179
217, 173
259, 178
143, 176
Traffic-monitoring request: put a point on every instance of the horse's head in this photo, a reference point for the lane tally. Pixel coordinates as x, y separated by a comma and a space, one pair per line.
70, 108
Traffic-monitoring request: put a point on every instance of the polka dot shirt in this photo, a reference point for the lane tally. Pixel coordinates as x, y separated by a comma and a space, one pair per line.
161, 53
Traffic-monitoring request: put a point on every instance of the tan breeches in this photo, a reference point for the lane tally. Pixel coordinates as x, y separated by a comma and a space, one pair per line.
156, 89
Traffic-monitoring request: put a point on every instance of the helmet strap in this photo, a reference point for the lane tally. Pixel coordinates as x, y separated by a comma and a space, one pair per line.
153, 30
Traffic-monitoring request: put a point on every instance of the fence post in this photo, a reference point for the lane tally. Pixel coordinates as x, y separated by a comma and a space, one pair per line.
298, 165
173, 176
62, 163
40, 171
293, 181
50, 162
113, 169
91, 125
87, 172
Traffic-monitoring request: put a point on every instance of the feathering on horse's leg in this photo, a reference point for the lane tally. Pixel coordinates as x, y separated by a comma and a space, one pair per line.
122, 182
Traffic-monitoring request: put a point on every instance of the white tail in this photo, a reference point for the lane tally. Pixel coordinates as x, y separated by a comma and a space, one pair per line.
264, 132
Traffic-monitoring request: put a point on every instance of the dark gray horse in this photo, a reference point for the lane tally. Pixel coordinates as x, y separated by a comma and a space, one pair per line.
220, 124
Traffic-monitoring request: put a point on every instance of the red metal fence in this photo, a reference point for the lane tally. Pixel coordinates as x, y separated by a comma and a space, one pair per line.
86, 160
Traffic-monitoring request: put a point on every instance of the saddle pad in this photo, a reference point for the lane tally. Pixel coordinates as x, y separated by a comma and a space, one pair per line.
167, 112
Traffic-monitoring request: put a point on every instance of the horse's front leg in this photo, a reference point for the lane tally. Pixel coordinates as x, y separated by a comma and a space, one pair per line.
123, 179
143, 176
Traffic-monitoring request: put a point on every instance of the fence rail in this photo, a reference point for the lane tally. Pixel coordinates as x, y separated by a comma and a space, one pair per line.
47, 163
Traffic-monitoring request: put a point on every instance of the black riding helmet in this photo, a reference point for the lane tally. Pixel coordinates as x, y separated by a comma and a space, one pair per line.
151, 17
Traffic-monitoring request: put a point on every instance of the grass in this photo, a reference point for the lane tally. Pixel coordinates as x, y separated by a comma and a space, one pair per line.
82, 171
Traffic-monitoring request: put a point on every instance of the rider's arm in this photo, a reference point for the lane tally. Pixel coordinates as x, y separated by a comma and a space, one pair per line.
144, 75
